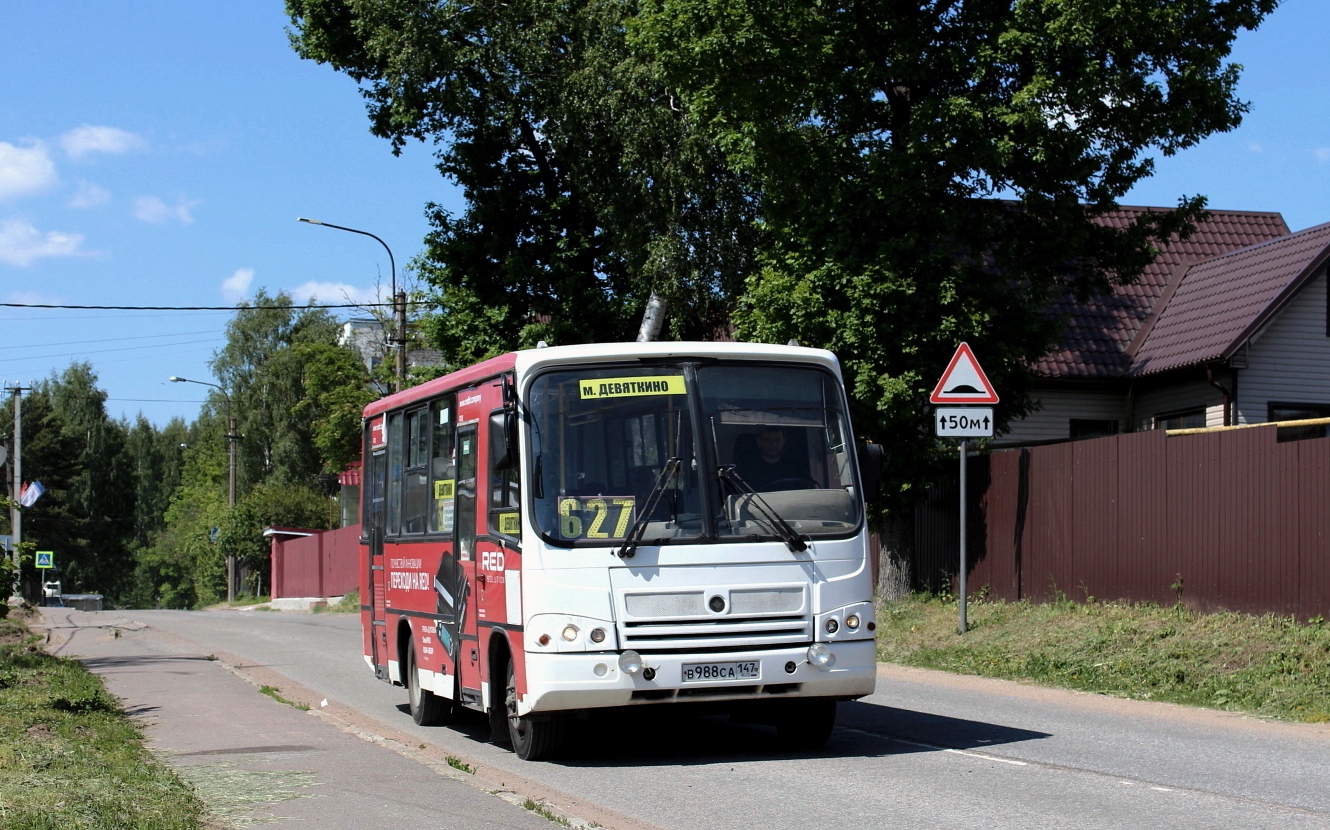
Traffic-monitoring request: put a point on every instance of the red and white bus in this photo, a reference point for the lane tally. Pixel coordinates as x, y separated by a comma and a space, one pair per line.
563, 529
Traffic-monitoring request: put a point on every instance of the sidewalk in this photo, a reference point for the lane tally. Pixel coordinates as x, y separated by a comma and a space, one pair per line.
257, 760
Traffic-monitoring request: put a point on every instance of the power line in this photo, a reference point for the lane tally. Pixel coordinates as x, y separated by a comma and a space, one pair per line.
193, 307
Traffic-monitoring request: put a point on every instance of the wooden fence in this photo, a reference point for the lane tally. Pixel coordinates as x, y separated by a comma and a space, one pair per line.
1219, 520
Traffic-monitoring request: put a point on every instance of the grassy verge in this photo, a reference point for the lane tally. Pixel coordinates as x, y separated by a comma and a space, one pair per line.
1274, 667
70, 758
348, 604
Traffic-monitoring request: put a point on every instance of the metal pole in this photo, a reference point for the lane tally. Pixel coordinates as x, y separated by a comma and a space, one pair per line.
15, 514
230, 492
961, 595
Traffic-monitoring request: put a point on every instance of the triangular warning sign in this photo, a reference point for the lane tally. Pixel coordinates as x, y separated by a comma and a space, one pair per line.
964, 381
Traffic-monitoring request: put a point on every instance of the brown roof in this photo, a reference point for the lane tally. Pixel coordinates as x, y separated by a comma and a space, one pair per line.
1220, 303
1099, 335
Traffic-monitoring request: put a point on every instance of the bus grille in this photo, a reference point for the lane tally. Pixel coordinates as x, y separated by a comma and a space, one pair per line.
724, 633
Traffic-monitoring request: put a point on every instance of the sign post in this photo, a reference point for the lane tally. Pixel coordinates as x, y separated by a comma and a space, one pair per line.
965, 383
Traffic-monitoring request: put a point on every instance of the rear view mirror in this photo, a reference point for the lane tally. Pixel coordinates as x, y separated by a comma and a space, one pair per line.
871, 461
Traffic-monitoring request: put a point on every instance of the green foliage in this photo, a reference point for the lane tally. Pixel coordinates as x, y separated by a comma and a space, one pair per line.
270, 504
884, 179
1270, 666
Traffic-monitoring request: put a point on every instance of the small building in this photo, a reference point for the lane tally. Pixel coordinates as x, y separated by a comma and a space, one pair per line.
1230, 326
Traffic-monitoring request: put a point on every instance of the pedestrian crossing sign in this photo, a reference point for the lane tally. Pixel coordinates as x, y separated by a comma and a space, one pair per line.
46, 559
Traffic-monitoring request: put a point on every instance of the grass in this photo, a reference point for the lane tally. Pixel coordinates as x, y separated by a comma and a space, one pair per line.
546, 813
457, 763
1269, 666
272, 692
348, 604
69, 756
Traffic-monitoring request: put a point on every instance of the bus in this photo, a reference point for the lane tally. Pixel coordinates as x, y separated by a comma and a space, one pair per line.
565, 529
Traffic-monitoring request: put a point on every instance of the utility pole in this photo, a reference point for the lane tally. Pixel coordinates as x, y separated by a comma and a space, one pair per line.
399, 338
16, 489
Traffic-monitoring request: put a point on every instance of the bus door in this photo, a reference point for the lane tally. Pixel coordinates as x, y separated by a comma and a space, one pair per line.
375, 578
464, 543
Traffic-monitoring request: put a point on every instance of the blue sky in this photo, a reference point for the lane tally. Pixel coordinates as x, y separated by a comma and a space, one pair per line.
158, 153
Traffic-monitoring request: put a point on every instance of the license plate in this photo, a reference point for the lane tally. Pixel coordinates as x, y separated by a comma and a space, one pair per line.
740, 670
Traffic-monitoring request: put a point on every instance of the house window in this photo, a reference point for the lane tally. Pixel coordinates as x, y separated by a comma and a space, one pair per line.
1299, 412
1187, 419
1092, 428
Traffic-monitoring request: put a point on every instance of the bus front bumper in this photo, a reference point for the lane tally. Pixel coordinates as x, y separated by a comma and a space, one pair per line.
568, 682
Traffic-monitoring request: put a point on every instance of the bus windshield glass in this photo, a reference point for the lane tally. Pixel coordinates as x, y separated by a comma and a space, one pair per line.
750, 439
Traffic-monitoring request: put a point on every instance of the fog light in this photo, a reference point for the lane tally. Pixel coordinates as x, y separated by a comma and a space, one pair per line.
597, 635
820, 656
852, 622
630, 662
832, 626
569, 632
716, 603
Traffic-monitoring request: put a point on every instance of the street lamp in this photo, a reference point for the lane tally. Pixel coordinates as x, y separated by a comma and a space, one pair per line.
398, 335
231, 438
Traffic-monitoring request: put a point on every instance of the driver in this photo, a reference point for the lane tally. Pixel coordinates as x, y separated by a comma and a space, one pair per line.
772, 464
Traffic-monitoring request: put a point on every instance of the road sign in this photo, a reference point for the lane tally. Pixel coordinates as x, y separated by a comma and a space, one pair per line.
963, 422
964, 381
46, 559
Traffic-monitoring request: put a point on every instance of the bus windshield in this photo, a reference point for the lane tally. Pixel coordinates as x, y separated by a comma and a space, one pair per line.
752, 440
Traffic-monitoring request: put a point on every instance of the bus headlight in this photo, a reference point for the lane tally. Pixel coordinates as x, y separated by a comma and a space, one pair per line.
569, 633
597, 635
630, 663
820, 656
852, 622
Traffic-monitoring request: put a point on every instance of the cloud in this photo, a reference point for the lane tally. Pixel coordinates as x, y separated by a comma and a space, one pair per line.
22, 244
236, 287
154, 211
334, 293
86, 140
89, 195
25, 170
1322, 154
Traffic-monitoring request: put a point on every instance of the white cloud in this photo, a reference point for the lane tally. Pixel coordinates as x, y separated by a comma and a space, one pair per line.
1322, 154
22, 244
236, 287
25, 170
154, 211
85, 140
89, 195
334, 293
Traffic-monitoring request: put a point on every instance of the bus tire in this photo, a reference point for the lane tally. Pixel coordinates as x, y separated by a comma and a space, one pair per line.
804, 725
427, 708
531, 739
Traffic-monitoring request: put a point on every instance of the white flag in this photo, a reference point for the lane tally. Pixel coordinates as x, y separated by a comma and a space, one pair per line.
31, 492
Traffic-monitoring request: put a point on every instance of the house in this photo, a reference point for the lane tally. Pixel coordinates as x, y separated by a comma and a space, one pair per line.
1230, 326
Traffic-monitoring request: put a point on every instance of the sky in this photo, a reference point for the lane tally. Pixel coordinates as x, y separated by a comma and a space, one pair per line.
158, 153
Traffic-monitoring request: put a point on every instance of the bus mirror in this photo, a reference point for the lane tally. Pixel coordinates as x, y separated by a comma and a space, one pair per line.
503, 440
871, 459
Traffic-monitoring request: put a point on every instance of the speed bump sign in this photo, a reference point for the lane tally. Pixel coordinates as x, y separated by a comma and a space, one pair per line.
46, 559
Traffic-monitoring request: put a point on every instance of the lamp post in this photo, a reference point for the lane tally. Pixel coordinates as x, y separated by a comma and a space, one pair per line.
397, 337
231, 438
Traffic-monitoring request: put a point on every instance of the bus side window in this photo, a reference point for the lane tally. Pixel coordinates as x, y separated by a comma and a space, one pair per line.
443, 467
415, 490
395, 472
505, 494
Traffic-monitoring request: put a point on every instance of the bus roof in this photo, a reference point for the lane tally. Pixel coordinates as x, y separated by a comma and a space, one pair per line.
531, 359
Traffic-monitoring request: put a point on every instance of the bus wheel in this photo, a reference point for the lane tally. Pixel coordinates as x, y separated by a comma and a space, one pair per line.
427, 708
806, 724
531, 739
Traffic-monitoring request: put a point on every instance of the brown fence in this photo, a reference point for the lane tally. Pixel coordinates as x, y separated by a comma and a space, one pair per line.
323, 564
1221, 520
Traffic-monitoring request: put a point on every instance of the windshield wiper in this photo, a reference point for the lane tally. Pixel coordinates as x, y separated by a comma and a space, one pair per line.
787, 534
634, 537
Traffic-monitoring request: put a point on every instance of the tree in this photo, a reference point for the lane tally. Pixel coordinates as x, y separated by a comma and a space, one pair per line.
932, 172
881, 178
586, 190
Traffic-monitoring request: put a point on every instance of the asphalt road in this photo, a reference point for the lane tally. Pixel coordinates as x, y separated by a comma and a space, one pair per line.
928, 750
